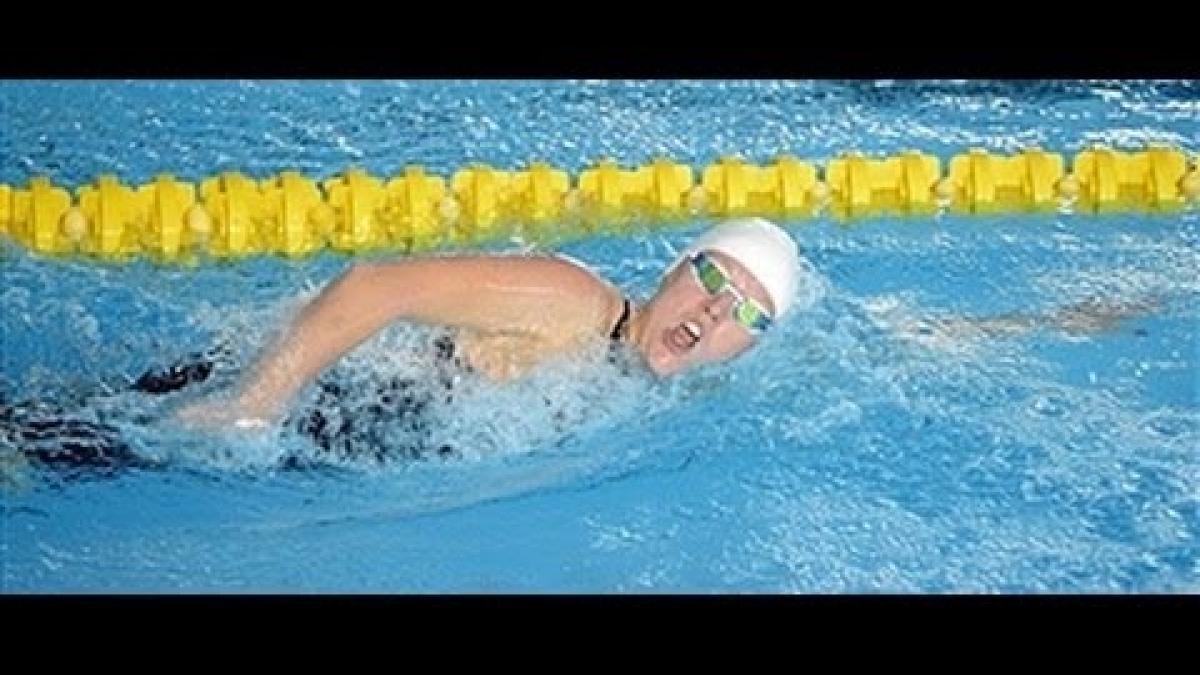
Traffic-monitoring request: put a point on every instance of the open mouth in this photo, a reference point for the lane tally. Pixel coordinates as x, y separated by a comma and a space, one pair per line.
684, 336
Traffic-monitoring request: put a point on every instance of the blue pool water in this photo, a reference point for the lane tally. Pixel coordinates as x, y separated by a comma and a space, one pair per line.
848, 453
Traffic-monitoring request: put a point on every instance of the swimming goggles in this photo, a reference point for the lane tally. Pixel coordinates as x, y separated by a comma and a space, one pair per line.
714, 279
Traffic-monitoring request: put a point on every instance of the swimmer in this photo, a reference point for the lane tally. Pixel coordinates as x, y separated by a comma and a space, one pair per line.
509, 313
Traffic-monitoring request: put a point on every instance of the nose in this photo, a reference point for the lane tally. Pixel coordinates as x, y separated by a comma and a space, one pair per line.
718, 306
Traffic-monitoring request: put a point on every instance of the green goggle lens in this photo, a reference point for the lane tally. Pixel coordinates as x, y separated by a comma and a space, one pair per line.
749, 315
711, 276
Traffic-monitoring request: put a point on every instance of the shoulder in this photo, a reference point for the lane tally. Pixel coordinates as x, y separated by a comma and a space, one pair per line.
560, 289
580, 292
555, 270
590, 285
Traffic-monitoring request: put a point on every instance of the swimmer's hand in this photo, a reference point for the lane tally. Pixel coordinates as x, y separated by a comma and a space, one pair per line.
214, 415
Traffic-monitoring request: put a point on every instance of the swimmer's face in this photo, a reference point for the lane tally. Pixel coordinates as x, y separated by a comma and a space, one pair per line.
685, 326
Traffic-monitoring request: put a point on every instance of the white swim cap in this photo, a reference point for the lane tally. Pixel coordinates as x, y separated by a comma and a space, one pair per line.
765, 250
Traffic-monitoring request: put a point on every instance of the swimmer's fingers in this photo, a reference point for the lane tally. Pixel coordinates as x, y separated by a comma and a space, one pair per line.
1096, 316
1120, 308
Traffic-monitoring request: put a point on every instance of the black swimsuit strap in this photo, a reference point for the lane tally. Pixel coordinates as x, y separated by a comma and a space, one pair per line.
618, 331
